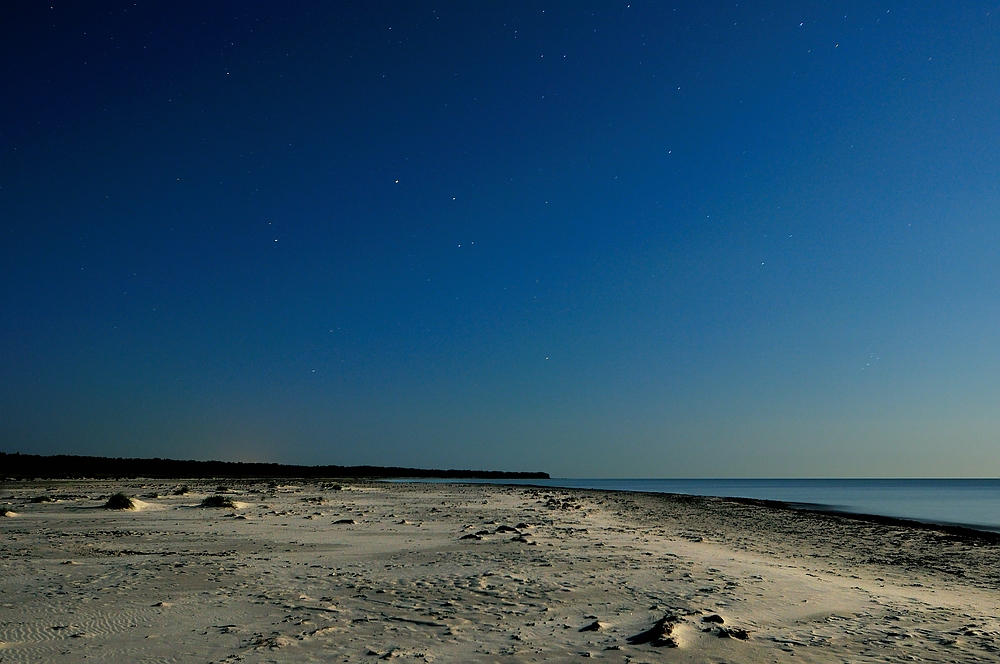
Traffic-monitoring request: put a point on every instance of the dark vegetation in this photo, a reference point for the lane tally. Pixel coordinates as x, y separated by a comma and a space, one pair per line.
218, 501
119, 501
62, 466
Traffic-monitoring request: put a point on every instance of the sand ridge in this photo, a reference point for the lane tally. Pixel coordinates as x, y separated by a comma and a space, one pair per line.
322, 571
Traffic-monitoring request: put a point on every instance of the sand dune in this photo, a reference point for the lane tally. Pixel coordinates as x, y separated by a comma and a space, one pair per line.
304, 572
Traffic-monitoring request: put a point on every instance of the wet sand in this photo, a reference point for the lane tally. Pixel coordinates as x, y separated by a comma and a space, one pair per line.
303, 572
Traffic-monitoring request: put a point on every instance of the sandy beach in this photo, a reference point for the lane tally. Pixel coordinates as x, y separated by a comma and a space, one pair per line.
303, 572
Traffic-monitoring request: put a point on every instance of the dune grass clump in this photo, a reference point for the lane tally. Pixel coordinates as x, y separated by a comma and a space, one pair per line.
4, 511
218, 501
180, 491
119, 501
40, 499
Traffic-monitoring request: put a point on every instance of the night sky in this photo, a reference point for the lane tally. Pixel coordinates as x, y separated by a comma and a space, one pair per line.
602, 239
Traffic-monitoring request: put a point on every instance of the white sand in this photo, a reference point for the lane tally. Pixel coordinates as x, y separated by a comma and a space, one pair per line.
277, 580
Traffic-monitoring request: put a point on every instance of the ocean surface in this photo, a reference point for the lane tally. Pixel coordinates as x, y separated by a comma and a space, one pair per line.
967, 502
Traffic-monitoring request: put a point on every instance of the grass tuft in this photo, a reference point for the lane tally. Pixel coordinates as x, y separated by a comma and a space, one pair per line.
218, 501
119, 501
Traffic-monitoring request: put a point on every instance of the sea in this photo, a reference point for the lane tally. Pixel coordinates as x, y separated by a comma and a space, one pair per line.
973, 503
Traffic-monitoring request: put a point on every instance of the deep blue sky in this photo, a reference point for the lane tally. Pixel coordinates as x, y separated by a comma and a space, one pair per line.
597, 239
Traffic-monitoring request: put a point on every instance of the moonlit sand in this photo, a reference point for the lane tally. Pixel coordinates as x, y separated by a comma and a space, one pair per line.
301, 572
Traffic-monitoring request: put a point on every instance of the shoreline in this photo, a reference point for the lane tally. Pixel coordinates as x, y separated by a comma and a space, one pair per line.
988, 532
970, 531
299, 571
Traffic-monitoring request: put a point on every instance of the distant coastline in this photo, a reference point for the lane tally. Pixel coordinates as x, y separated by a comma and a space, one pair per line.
64, 466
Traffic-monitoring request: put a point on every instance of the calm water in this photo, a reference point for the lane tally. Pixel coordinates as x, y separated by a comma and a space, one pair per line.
974, 503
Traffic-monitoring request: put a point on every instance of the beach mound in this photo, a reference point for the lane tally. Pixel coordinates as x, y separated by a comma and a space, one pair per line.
218, 501
120, 501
